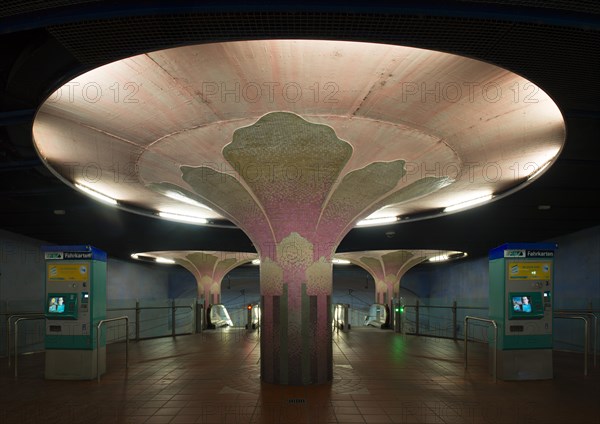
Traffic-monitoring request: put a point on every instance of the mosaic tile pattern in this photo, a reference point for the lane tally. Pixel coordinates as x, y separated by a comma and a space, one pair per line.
296, 214
388, 266
208, 267
298, 137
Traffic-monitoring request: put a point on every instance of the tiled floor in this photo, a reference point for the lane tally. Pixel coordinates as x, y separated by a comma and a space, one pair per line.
379, 377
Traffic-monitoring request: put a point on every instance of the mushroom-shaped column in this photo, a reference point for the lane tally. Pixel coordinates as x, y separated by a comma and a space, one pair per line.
294, 141
208, 267
289, 189
388, 266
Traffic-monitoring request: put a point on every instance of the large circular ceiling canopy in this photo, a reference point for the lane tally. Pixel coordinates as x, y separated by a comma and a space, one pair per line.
130, 129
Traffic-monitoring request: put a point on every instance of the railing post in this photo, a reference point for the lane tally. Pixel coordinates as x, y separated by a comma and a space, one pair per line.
8, 338
586, 335
16, 344
454, 329
126, 342
173, 317
586, 348
495, 349
417, 317
98, 331
137, 320
16, 341
466, 326
595, 337
495, 339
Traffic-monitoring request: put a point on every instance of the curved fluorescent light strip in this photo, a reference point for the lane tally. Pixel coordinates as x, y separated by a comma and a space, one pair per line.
445, 257
99, 196
340, 261
468, 203
538, 171
377, 221
183, 218
439, 258
180, 197
164, 260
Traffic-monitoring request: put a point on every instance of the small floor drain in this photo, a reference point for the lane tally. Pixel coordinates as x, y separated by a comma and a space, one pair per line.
296, 400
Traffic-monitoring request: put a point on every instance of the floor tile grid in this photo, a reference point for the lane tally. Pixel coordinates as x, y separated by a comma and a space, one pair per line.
379, 376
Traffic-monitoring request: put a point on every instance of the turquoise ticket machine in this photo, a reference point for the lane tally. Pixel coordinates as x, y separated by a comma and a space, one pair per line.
75, 301
521, 298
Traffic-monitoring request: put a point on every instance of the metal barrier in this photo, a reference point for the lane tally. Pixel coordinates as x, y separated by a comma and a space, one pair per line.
17, 335
138, 309
575, 312
453, 321
585, 339
489, 321
126, 318
35, 315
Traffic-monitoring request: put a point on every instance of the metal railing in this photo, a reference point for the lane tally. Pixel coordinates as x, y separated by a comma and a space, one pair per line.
489, 321
17, 335
35, 315
420, 318
594, 316
99, 327
585, 337
451, 326
138, 324
138, 310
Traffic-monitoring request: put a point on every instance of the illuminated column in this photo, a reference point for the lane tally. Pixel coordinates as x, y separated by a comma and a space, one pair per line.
287, 186
208, 268
380, 291
208, 289
387, 268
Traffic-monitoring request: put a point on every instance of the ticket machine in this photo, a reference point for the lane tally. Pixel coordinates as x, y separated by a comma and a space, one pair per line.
521, 301
75, 302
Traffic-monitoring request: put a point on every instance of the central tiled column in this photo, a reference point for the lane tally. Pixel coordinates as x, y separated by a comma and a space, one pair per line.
285, 184
296, 313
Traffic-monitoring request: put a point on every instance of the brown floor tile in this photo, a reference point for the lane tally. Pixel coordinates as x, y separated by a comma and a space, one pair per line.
379, 376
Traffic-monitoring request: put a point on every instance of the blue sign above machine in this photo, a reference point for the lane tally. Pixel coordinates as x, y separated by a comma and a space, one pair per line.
523, 250
73, 252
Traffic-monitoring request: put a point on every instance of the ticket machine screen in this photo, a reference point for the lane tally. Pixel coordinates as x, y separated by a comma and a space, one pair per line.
61, 305
525, 305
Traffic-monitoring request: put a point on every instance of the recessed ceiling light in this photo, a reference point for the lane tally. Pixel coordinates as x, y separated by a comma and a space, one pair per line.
183, 218
439, 258
468, 203
99, 196
164, 260
180, 197
340, 261
538, 171
59, 212
377, 221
